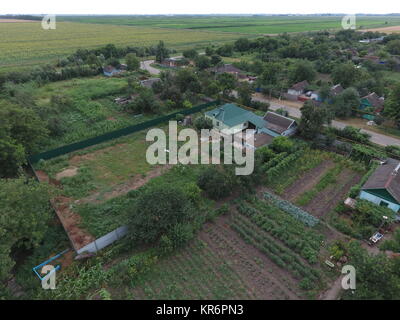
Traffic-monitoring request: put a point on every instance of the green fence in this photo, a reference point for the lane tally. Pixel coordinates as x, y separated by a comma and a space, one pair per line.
115, 134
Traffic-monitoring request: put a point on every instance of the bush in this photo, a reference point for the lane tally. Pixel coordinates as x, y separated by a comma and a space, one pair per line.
215, 183
203, 123
157, 210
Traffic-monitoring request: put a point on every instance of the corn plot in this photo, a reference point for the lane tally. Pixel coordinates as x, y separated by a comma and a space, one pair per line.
27, 43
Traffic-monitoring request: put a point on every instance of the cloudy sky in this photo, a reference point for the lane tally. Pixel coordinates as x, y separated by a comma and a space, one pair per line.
197, 7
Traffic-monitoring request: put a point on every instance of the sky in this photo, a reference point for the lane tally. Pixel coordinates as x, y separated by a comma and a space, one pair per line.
196, 7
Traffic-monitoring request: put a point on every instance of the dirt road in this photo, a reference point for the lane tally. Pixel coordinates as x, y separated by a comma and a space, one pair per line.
377, 138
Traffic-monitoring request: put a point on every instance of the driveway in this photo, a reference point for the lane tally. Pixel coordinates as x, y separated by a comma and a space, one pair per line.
377, 138
146, 65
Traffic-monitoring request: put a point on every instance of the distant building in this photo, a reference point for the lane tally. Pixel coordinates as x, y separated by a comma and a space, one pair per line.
110, 71
173, 62
298, 88
231, 69
372, 100
336, 89
148, 83
383, 186
371, 40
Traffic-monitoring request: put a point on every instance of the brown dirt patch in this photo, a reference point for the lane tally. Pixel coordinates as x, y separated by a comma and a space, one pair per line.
42, 176
70, 172
71, 222
307, 181
16, 20
256, 270
327, 199
393, 29
136, 182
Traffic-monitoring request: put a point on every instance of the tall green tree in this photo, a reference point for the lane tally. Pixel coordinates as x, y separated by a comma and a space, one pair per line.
302, 70
392, 104
346, 74
21, 133
132, 62
313, 118
345, 102
24, 216
161, 52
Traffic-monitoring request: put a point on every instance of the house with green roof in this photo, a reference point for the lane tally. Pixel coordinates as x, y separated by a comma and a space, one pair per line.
383, 186
231, 119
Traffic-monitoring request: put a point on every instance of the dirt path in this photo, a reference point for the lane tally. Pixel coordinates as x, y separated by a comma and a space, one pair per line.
333, 292
71, 221
307, 181
78, 236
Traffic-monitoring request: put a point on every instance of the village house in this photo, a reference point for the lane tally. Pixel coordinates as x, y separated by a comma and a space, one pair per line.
336, 89
110, 71
298, 88
372, 100
383, 186
231, 69
148, 83
230, 119
173, 62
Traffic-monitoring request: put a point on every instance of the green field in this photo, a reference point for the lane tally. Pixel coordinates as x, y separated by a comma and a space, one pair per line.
27, 44
240, 24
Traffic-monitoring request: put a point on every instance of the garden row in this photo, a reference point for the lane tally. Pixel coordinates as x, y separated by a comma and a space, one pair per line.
282, 226
281, 255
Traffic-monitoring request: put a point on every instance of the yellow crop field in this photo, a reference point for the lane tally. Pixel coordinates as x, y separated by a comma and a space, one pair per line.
26, 44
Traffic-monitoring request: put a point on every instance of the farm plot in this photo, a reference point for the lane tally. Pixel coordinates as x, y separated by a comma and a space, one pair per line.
196, 272
218, 265
285, 169
26, 44
285, 239
315, 180
321, 189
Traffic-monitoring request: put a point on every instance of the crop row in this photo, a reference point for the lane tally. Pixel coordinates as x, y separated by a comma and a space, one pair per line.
305, 242
296, 212
280, 255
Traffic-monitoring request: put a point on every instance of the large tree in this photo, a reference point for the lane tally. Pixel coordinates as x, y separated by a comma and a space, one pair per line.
302, 70
346, 74
158, 209
377, 276
21, 133
392, 104
161, 52
24, 215
344, 104
313, 118
132, 62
